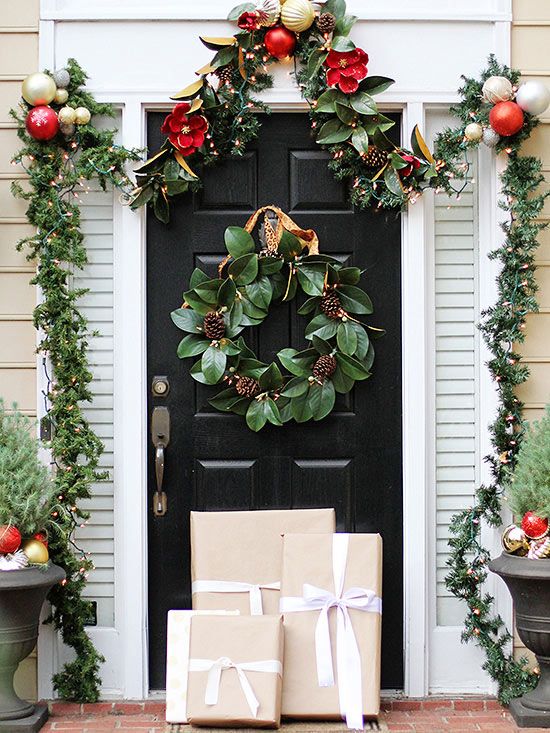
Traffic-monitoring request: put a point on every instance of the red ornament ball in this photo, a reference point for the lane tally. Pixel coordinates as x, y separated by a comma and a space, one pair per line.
506, 118
10, 538
41, 537
280, 42
42, 123
533, 526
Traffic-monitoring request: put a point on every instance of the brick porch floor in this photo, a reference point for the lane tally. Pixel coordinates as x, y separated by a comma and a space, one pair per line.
417, 716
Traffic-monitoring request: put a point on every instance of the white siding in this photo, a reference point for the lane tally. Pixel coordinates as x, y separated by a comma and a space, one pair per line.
456, 363
97, 305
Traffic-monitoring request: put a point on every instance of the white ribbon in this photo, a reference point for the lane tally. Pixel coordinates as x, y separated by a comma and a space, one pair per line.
348, 657
215, 667
229, 586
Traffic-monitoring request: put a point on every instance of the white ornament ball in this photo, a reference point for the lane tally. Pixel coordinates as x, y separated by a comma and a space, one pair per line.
16, 561
473, 131
66, 116
497, 89
533, 97
490, 137
38, 89
82, 116
67, 129
61, 78
61, 96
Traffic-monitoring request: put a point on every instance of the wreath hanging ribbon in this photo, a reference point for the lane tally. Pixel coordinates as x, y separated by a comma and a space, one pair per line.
216, 311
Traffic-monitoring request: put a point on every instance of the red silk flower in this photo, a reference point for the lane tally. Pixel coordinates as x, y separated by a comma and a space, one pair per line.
413, 162
346, 69
249, 21
185, 132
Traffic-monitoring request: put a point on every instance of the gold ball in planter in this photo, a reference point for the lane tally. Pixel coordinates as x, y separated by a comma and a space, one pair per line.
38, 89
297, 15
36, 551
82, 116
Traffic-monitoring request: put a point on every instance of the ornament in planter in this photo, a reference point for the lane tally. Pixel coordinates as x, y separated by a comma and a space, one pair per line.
528, 578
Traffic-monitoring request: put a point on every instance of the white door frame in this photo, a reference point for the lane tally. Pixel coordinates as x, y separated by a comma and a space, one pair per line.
126, 644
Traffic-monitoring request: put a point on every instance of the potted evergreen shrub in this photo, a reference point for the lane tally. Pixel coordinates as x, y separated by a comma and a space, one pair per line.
527, 574
27, 503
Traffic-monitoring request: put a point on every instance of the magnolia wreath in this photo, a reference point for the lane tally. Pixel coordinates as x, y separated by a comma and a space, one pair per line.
216, 311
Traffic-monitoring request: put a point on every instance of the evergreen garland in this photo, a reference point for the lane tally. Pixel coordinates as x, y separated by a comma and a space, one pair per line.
502, 326
57, 171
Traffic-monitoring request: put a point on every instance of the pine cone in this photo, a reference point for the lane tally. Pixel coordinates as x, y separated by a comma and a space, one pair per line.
324, 367
247, 387
224, 74
330, 305
326, 22
214, 326
375, 158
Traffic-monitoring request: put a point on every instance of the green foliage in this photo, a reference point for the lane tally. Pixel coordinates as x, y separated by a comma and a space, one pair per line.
244, 298
529, 486
502, 327
56, 171
27, 490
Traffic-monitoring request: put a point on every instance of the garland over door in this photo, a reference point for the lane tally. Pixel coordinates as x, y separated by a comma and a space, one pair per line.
351, 460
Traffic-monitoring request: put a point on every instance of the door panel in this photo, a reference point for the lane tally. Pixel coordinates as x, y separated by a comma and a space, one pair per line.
352, 459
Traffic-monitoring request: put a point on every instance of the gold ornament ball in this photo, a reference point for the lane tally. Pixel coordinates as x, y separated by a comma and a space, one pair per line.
61, 96
473, 132
297, 15
66, 116
38, 89
497, 89
36, 551
82, 116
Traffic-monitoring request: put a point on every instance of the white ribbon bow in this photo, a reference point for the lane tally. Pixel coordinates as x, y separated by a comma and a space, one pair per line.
230, 586
348, 657
215, 667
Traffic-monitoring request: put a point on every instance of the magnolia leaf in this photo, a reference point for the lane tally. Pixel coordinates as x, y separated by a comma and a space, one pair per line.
272, 412
363, 103
311, 278
392, 181
352, 366
419, 146
344, 113
289, 245
244, 269
181, 160
270, 265
187, 320
238, 10
192, 345
342, 383
322, 326
336, 7
206, 69
321, 399
196, 373
189, 91
272, 378
197, 303
315, 61
376, 84
309, 306
322, 346
360, 140
197, 277
344, 25
301, 409
355, 300
238, 242
215, 43
287, 359
225, 399
227, 293
295, 387
327, 101
213, 364
363, 341
346, 338
349, 275
260, 292
256, 415
195, 105
333, 131
342, 43
152, 162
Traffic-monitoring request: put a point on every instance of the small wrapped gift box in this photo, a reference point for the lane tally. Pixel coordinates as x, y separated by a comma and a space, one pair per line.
235, 671
236, 556
177, 661
331, 601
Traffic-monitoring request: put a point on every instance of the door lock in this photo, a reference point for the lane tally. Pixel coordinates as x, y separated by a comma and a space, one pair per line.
160, 386
160, 435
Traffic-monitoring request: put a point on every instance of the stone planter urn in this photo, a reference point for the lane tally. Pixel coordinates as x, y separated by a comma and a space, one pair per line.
22, 594
529, 583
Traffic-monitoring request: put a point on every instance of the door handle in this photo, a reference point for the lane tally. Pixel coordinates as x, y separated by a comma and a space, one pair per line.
160, 435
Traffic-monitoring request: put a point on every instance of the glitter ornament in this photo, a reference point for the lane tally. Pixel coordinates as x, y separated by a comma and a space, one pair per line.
61, 96
82, 116
66, 116
533, 97
497, 89
61, 78
473, 132
506, 118
490, 137
42, 123
534, 527
539, 549
38, 89
10, 538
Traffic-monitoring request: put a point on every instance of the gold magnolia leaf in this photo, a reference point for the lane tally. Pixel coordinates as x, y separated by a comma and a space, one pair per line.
214, 43
206, 69
181, 160
147, 163
195, 105
380, 172
241, 64
422, 145
190, 90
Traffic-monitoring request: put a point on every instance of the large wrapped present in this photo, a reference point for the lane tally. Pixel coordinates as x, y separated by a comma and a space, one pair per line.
177, 661
331, 601
235, 671
236, 557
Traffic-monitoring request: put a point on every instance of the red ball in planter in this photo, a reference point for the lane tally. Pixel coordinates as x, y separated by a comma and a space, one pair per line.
42, 123
10, 538
280, 42
533, 526
41, 537
506, 118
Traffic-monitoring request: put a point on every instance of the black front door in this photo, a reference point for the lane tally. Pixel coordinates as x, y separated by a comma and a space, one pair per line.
352, 459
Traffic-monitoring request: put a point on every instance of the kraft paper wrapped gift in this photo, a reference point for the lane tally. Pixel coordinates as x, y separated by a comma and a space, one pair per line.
177, 661
236, 557
331, 600
235, 671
